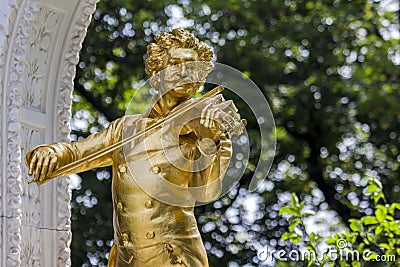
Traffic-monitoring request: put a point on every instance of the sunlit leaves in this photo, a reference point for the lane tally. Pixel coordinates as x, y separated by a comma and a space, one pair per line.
371, 238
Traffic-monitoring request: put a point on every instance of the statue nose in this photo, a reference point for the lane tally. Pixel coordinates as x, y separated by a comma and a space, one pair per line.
183, 73
189, 75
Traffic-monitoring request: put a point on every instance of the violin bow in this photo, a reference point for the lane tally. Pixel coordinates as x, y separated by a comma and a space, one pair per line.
77, 164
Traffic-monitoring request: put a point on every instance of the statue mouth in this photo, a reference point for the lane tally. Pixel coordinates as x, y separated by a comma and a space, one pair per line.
186, 86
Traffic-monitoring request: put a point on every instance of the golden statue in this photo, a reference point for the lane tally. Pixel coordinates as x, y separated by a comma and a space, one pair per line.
163, 160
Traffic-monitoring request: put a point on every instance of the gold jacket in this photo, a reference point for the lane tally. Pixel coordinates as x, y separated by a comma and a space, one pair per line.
153, 200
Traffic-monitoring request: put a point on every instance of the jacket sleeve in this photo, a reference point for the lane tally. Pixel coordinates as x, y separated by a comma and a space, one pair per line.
70, 152
206, 185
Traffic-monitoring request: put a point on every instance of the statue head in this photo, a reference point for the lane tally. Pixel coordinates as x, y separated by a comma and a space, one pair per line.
178, 61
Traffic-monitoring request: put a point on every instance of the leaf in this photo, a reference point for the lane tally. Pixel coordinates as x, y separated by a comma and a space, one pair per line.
367, 220
294, 200
372, 188
308, 213
293, 225
298, 232
394, 226
380, 213
356, 225
287, 235
384, 245
378, 230
393, 207
312, 237
377, 182
331, 240
376, 197
288, 210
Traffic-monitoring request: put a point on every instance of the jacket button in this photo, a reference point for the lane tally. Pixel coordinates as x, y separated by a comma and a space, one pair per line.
148, 204
122, 169
156, 170
120, 206
125, 237
150, 235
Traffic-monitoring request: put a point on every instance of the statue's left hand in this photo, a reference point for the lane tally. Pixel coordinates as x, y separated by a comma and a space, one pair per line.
211, 118
42, 162
222, 117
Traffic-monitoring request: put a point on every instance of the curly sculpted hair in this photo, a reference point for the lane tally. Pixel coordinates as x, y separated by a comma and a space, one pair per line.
179, 38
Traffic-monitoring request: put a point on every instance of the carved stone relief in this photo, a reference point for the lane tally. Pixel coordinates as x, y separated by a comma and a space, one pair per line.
7, 17
30, 220
26, 15
44, 31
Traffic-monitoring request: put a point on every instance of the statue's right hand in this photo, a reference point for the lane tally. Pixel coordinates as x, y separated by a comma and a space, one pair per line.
43, 162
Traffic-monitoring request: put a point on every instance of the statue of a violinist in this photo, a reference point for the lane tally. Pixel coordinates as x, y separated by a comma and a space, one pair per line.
164, 160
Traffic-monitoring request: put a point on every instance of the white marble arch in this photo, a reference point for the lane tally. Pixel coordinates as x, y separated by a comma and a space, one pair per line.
39, 45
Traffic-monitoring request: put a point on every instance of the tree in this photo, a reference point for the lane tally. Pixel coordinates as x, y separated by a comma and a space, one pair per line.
328, 71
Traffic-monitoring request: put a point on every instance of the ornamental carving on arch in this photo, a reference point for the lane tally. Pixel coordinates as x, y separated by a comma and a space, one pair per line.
44, 31
30, 206
21, 27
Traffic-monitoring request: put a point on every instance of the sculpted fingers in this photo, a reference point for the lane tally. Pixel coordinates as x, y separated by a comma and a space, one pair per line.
237, 124
203, 115
233, 123
223, 117
238, 128
214, 116
32, 164
42, 163
206, 115
53, 164
49, 163
209, 115
39, 165
227, 106
215, 100
228, 127
45, 166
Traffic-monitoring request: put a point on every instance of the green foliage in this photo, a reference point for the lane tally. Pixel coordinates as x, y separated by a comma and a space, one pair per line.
329, 70
372, 238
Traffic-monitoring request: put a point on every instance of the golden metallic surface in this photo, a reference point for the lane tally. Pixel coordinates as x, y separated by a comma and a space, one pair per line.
156, 170
122, 169
119, 206
148, 204
156, 179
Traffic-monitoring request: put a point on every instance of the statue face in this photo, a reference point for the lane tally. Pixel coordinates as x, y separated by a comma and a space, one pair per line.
179, 79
